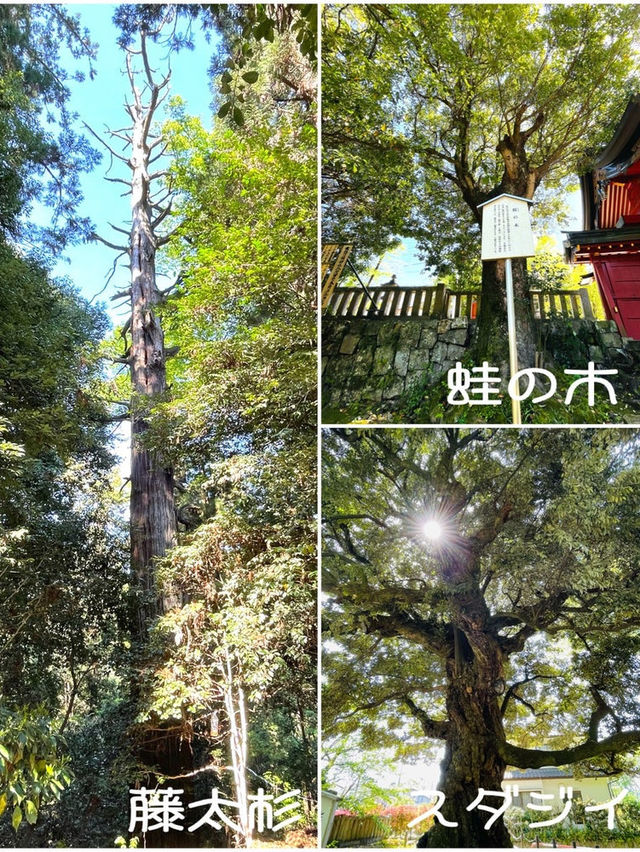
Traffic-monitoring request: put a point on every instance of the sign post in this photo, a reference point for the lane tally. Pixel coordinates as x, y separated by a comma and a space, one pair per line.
506, 233
513, 343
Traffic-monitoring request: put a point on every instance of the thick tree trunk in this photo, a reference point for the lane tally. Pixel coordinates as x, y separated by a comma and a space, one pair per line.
152, 507
475, 730
520, 180
492, 343
471, 763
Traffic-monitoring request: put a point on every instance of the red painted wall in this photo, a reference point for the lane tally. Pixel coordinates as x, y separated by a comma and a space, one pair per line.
619, 281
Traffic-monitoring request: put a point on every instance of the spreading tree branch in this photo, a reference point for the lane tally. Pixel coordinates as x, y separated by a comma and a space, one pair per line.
122, 249
433, 728
529, 758
113, 152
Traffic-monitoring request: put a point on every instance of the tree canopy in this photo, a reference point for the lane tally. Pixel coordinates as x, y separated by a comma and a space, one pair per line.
483, 588
42, 153
431, 109
241, 419
479, 99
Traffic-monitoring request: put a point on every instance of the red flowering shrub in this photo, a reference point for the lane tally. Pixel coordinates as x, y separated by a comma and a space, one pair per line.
401, 816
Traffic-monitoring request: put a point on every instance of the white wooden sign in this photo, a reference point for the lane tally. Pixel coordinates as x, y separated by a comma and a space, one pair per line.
506, 228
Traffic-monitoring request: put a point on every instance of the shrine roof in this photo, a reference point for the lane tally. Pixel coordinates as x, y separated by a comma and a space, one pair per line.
620, 151
542, 772
615, 159
606, 235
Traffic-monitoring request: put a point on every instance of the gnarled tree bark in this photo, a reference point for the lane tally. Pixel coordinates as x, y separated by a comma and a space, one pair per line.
152, 506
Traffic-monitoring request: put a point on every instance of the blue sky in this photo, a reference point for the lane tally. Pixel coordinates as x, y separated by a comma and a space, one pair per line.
404, 262
100, 102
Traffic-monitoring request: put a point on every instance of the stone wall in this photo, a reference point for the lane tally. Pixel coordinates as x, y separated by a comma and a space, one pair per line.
373, 362
369, 365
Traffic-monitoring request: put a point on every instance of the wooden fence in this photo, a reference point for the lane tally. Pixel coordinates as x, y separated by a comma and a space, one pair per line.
570, 304
348, 830
440, 302
333, 261
403, 302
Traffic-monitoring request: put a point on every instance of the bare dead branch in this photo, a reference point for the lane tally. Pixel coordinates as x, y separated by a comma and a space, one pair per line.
162, 241
123, 249
125, 328
145, 58
102, 141
162, 215
118, 180
161, 154
121, 294
179, 280
120, 230
122, 136
132, 84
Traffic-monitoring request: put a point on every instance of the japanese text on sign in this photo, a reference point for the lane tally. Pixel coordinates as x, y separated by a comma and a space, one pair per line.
481, 385
506, 228
163, 810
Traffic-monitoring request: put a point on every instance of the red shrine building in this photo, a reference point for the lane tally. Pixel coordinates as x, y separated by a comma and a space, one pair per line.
611, 210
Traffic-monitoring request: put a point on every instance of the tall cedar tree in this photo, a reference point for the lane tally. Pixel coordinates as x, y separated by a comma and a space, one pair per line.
152, 505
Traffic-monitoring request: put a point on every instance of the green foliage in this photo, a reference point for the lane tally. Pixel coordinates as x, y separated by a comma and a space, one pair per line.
96, 805
32, 773
427, 401
547, 272
254, 25
369, 173
548, 514
60, 546
62, 613
249, 584
244, 318
357, 772
48, 360
246, 31
429, 109
585, 828
239, 428
121, 843
41, 154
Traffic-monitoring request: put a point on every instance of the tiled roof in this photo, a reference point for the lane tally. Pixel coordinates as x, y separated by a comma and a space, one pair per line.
543, 772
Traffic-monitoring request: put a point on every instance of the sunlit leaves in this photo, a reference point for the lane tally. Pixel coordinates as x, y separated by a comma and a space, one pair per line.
553, 518
260, 24
240, 423
430, 108
32, 773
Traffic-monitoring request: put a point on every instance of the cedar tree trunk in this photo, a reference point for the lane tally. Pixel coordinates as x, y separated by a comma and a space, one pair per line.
152, 506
